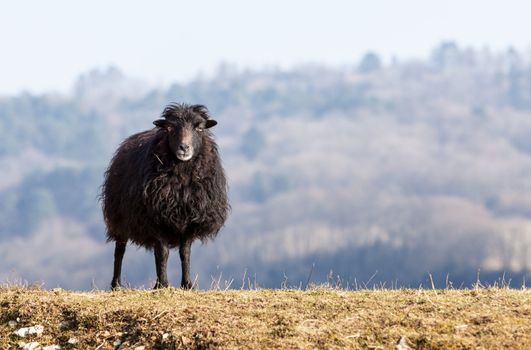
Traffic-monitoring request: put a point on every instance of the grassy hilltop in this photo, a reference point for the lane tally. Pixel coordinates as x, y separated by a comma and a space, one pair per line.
266, 319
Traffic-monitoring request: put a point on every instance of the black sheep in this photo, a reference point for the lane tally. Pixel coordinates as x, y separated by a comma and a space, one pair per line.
165, 188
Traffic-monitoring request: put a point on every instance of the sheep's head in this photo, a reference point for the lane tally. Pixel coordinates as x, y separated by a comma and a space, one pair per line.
185, 127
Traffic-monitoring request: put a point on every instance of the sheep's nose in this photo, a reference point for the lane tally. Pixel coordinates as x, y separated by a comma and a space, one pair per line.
184, 147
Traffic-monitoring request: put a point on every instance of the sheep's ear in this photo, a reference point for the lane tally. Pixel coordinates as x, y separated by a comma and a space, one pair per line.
210, 123
162, 123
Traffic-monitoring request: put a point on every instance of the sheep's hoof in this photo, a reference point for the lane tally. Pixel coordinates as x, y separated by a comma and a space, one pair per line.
116, 286
186, 285
160, 285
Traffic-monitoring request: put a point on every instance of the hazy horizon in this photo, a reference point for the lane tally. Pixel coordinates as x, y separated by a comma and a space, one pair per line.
47, 45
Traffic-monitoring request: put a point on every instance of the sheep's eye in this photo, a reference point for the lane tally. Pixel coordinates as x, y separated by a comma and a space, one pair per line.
198, 128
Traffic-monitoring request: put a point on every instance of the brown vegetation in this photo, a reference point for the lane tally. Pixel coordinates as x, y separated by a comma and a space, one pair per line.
266, 319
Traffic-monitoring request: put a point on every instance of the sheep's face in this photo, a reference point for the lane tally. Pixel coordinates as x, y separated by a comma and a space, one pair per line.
185, 127
185, 140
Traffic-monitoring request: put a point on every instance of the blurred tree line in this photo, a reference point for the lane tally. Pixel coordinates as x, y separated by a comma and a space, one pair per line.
293, 142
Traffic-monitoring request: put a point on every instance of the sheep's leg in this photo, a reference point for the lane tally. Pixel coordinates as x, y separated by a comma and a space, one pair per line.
119, 251
161, 262
184, 253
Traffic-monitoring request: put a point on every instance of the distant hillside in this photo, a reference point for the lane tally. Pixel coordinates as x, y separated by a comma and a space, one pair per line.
393, 171
267, 319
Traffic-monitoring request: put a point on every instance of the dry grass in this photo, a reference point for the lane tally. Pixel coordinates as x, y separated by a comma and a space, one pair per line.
265, 319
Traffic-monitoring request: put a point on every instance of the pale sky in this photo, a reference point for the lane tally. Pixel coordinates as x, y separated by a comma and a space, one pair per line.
45, 45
